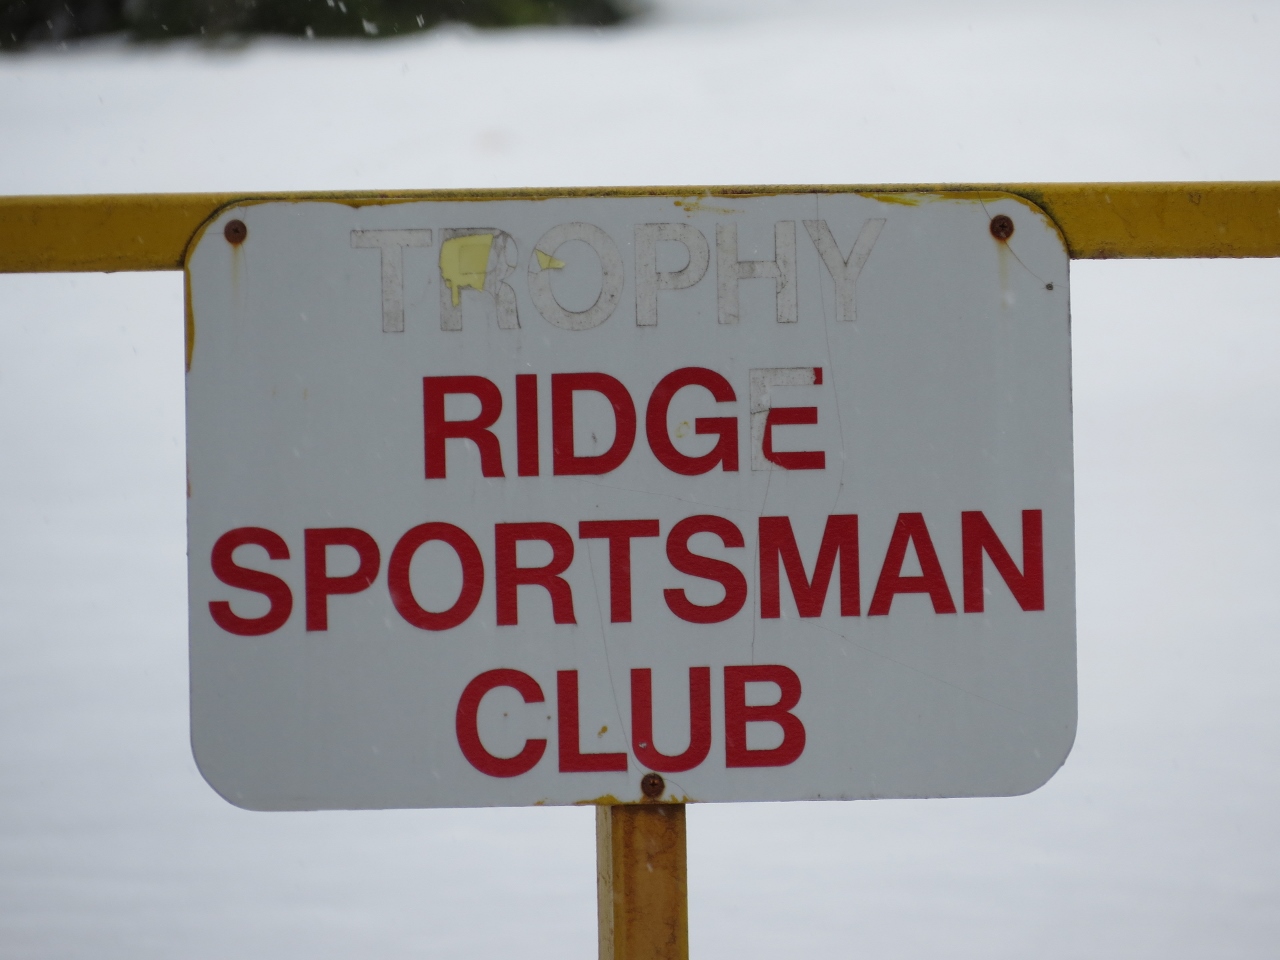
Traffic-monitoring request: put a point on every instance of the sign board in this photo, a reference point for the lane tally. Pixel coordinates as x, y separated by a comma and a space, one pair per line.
511, 501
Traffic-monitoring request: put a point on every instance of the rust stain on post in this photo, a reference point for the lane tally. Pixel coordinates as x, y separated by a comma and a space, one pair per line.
641, 882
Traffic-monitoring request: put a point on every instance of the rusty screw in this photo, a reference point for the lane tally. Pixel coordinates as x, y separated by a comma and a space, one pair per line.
1001, 227
652, 785
235, 231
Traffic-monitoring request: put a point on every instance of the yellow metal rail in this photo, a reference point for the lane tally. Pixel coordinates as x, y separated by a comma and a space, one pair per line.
1099, 220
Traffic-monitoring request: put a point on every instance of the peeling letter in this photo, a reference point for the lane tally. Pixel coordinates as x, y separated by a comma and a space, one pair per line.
844, 270
391, 243
781, 270
480, 258
612, 276
765, 416
649, 279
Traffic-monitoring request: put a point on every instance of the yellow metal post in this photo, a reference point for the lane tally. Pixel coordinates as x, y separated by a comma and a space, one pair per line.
641, 882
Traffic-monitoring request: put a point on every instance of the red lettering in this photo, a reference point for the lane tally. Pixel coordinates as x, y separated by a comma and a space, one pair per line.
737, 714
725, 452
571, 759
722, 572
778, 543
527, 424
910, 529
232, 574
402, 590
795, 459
508, 577
321, 586
978, 537
563, 387
699, 722
469, 733
437, 429
619, 534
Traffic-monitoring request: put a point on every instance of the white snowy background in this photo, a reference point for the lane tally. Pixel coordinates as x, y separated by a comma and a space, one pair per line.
1160, 838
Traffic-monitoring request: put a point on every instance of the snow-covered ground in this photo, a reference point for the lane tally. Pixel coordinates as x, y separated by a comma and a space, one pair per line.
1158, 839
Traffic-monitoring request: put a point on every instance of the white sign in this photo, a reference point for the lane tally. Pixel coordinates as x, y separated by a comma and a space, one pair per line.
506, 502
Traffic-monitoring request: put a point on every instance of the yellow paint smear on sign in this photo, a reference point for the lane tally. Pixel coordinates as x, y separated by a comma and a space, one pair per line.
547, 262
464, 262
